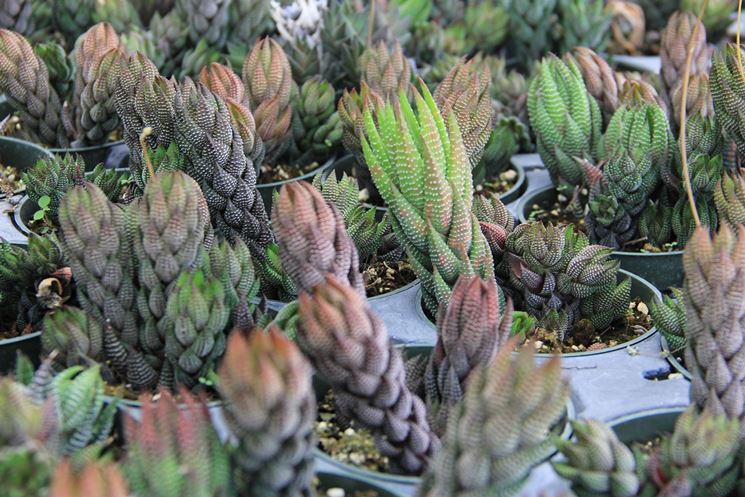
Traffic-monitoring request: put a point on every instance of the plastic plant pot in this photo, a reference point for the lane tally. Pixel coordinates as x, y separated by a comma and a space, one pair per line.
644, 426
5, 108
349, 483
674, 362
20, 154
267, 189
28, 345
662, 269
113, 155
640, 288
411, 482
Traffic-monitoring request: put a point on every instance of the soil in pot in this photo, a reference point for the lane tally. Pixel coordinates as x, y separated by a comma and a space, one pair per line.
344, 442
383, 277
503, 183
585, 338
559, 212
283, 172
10, 179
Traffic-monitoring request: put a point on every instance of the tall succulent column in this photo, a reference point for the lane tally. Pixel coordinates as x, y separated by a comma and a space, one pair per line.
729, 198
501, 429
674, 50
170, 222
16, 15
349, 348
465, 91
313, 241
268, 79
566, 119
714, 320
223, 82
24, 79
421, 168
728, 90
95, 244
93, 44
93, 480
207, 20
264, 378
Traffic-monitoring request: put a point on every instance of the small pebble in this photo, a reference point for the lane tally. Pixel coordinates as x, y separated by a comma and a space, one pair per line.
335, 492
349, 432
323, 425
538, 344
508, 175
674, 376
561, 198
356, 458
575, 348
632, 305
642, 307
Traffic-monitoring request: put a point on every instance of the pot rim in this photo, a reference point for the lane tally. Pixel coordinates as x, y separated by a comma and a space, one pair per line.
568, 355
22, 338
675, 363
657, 411
325, 475
529, 197
327, 164
90, 148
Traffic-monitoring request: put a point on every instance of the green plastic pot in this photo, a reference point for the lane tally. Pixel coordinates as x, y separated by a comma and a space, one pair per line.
385, 479
113, 155
28, 345
645, 426
267, 189
640, 288
20, 154
662, 269
674, 362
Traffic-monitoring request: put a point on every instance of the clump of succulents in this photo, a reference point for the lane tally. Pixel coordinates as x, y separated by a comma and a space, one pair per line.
434, 225
669, 317
33, 281
698, 458
94, 479
157, 297
728, 91
716, 15
84, 117
729, 199
628, 27
583, 24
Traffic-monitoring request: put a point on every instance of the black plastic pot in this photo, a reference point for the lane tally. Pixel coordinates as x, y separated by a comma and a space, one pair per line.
645, 426
267, 189
387, 479
663, 269
5, 107
640, 288
112, 155
346, 164
20, 154
28, 345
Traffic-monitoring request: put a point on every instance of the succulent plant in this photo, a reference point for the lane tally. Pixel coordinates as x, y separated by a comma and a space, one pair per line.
25, 472
59, 66
264, 378
728, 91
717, 15
470, 330
674, 50
488, 447
15, 15
584, 24
174, 450
84, 418
206, 20
385, 70
639, 148
167, 229
557, 273
75, 338
21, 273
274, 276
487, 25
656, 14
655, 223
465, 92
702, 450
93, 480
601, 81
197, 316
268, 79
563, 137
312, 238
316, 127
712, 268
170, 35
233, 266
348, 346
508, 136
25, 81
598, 463
248, 20
72, 18
366, 232
627, 27
434, 225
123, 16
729, 198
53, 178
530, 28
95, 244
